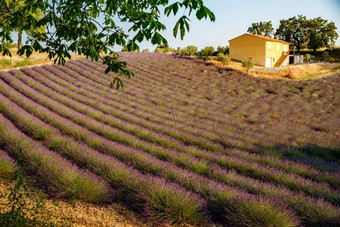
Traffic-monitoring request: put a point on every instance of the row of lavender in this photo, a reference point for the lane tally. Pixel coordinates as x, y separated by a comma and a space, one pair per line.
289, 135
154, 137
7, 166
324, 132
103, 109
186, 162
305, 135
282, 89
32, 127
164, 200
238, 137
198, 166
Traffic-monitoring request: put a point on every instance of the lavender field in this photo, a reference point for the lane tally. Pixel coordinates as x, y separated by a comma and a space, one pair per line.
182, 143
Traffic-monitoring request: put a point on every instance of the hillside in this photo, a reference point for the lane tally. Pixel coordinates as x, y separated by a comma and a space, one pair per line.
182, 143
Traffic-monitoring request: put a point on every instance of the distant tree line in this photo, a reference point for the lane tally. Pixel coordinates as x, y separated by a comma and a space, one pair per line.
300, 32
222, 53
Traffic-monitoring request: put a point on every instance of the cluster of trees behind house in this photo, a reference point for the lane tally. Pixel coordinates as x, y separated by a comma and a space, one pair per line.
301, 32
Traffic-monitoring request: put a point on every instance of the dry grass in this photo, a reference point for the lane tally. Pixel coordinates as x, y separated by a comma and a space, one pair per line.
299, 72
79, 213
16, 61
314, 70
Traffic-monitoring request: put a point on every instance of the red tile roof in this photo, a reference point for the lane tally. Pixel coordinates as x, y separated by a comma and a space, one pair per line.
263, 37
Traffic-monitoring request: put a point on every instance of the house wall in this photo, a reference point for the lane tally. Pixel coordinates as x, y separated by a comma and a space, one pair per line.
274, 52
245, 47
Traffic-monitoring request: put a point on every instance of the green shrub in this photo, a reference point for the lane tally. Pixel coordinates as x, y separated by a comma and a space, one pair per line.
191, 50
223, 50
164, 49
331, 60
223, 58
206, 53
325, 54
248, 64
187, 51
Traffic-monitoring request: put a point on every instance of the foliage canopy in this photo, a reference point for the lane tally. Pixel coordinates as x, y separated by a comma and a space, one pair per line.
206, 52
164, 49
22, 19
187, 51
299, 31
294, 30
265, 28
73, 26
223, 50
321, 33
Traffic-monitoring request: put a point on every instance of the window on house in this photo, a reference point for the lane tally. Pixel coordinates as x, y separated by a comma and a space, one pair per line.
269, 46
285, 48
277, 47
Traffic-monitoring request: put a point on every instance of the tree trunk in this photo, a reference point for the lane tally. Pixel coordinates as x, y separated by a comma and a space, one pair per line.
19, 39
314, 50
298, 49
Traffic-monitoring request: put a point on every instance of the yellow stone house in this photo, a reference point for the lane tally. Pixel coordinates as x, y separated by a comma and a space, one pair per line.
265, 51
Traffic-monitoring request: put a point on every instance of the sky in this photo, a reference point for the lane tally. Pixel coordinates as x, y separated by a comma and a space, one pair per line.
233, 17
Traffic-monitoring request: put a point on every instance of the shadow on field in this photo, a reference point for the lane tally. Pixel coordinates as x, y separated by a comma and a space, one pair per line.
322, 158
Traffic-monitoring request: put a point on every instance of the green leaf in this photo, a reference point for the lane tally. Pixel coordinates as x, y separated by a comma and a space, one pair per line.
25, 49
107, 70
6, 52
182, 31
6, 3
37, 47
139, 36
132, 45
175, 30
187, 25
201, 13
211, 15
174, 8
156, 39
118, 82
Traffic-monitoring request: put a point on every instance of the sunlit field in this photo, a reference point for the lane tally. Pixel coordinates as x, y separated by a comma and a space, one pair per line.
181, 143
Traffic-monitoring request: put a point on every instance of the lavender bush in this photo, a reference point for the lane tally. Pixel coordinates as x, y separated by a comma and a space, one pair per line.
184, 142
7, 166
